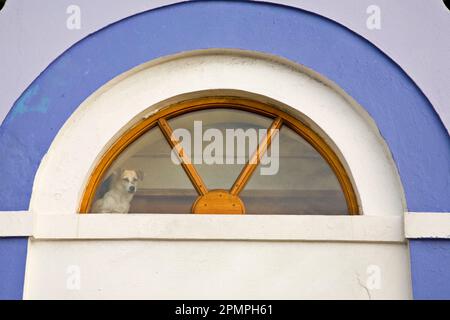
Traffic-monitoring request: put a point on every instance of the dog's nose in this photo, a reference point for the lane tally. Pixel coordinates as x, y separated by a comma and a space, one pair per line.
132, 189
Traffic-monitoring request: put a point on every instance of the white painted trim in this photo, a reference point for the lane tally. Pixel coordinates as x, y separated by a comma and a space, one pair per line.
220, 227
203, 227
427, 225
346, 126
16, 224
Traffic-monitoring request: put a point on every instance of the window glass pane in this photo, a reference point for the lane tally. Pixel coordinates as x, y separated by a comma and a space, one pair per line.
165, 187
303, 184
221, 126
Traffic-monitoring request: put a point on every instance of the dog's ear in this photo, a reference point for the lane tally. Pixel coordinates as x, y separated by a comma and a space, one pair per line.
140, 174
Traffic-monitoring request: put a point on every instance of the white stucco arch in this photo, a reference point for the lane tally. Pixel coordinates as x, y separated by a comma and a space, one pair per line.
64, 171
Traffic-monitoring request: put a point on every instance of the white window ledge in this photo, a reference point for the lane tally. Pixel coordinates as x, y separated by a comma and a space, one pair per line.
209, 227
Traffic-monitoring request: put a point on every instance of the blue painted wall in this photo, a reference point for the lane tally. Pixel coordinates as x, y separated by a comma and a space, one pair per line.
430, 268
417, 139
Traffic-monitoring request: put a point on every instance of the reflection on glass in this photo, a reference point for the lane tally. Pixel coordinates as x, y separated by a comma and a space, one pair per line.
216, 123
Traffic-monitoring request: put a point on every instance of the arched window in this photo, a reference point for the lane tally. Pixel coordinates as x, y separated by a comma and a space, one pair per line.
220, 155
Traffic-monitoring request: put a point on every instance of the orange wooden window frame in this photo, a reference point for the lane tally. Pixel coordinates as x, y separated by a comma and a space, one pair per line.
160, 119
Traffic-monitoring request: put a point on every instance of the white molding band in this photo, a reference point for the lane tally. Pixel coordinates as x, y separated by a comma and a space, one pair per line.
223, 227
204, 227
16, 224
220, 227
251, 227
427, 225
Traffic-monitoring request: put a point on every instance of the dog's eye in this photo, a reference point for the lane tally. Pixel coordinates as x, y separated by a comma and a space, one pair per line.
125, 179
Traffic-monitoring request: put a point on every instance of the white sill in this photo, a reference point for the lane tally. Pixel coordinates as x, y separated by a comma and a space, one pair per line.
16, 224
219, 227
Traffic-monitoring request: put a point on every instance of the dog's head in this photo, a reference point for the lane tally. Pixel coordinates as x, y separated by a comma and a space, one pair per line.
128, 180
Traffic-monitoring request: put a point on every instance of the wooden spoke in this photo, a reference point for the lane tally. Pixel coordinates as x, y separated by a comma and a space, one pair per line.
185, 160
253, 162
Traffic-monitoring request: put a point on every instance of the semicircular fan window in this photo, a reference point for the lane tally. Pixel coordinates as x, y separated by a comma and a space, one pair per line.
227, 157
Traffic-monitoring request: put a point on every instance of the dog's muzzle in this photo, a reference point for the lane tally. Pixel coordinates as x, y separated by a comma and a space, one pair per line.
132, 189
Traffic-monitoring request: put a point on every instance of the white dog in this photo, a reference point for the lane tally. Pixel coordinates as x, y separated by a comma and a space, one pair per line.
120, 189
